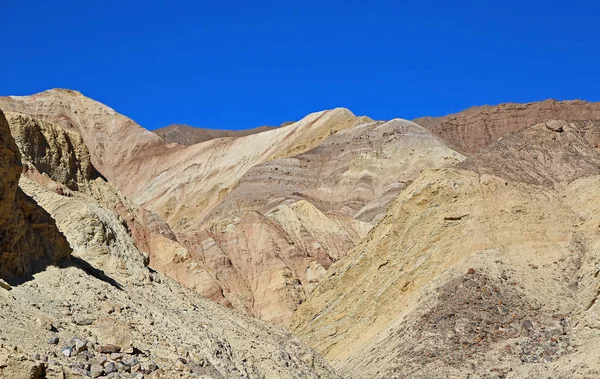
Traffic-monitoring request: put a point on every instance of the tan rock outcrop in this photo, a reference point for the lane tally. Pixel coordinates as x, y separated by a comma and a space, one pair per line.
60, 154
60, 176
112, 139
29, 238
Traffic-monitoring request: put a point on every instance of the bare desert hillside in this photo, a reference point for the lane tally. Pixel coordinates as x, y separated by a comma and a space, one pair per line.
240, 242
475, 128
95, 308
335, 246
486, 269
189, 135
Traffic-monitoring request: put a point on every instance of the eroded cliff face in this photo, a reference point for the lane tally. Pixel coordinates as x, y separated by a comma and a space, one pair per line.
60, 176
488, 268
29, 239
112, 139
60, 154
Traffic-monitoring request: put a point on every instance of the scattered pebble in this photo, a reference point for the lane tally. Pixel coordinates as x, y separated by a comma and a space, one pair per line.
83, 321
108, 349
66, 351
96, 371
53, 340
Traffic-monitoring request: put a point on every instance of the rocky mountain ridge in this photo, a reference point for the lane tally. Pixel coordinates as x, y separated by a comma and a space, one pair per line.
377, 244
247, 245
189, 135
473, 129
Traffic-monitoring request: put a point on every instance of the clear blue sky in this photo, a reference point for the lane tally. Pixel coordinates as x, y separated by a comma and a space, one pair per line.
240, 64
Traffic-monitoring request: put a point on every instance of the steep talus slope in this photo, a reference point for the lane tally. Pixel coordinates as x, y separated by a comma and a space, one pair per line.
29, 238
473, 129
106, 298
474, 273
189, 135
171, 328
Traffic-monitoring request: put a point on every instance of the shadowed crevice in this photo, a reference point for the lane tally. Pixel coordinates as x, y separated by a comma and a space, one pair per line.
74, 261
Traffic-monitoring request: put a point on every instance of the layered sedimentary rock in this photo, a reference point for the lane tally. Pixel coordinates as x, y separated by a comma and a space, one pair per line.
104, 311
247, 244
473, 129
269, 241
354, 172
318, 206
29, 239
175, 181
395, 255
485, 270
